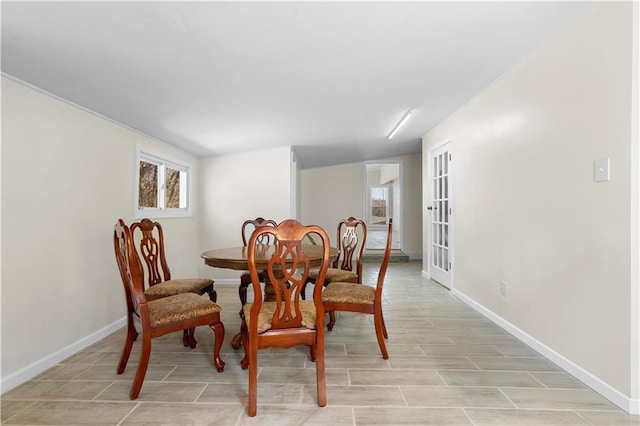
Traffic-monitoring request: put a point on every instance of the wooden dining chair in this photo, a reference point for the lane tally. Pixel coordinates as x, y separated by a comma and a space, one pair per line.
247, 229
350, 297
158, 282
351, 238
155, 318
288, 320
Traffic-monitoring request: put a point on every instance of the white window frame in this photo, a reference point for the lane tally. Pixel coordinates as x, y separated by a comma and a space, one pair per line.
163, 160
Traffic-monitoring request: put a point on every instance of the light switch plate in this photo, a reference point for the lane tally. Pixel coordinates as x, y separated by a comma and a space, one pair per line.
601, 172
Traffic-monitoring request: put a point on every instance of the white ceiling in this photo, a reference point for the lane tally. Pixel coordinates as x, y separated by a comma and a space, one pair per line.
329, 78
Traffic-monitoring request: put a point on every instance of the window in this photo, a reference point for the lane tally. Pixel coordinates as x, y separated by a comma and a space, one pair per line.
163, 186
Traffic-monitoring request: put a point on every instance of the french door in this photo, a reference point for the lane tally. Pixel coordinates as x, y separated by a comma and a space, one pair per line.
440, 209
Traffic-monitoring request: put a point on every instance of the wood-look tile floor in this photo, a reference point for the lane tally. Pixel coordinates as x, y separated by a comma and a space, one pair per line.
448, 365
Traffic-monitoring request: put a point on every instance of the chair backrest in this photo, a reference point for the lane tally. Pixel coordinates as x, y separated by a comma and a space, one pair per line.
251, 225
287, 270
129, 266
151, 250
385, 262
352, 236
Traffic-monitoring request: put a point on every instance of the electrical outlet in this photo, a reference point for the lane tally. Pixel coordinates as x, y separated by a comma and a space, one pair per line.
503, 288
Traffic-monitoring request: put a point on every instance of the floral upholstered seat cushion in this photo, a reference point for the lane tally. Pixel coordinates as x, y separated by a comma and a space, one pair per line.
334, 274
178, 286
349, 293
307, 308
179, 307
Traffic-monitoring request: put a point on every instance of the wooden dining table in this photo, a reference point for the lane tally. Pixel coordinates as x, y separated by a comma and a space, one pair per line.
236, 258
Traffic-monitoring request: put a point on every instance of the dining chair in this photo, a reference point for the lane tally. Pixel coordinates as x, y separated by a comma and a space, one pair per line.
350, 297
155, 318
288, 320
247, 229
158, 282
351, 239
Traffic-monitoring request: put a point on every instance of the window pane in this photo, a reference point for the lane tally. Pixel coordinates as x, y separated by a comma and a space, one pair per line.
434, 237
445, 235
434, 251
445, 260
446, 187
174, 182
148, 185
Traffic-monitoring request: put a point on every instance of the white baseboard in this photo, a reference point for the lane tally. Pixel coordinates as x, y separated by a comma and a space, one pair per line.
631, 406
415, 256
23, 375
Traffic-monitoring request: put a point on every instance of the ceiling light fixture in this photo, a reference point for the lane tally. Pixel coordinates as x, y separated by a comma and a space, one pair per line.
403, 120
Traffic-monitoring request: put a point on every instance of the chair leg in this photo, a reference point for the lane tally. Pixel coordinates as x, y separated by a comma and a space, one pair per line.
312, 353
242, 292
132, 335
320, 374
145, 353
379, 324
192, 341
213, 295
244, 334
332, 320
253, 378
384, 326
189, 339
218, 330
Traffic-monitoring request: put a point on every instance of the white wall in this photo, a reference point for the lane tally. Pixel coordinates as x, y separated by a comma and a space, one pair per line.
634, 295
295, 187
412, 227
343, 185
389, 172
526, 208
233, 188
67, 175
373, 176
330, 194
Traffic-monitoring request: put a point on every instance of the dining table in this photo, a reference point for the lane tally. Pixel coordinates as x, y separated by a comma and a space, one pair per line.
236, 258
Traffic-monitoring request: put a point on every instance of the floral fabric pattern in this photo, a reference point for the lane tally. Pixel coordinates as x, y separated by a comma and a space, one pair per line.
179, 307
307, 309
349, 293
334, 274
178, 286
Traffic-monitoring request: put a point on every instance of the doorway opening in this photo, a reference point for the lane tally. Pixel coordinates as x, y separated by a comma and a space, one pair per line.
383, 200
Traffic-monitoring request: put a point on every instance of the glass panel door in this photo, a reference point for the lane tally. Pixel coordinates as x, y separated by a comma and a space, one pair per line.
440, 212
